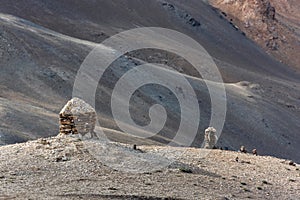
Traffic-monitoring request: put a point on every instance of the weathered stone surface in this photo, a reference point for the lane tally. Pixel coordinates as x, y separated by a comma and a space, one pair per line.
254, 152
77, 117
243, 149
210, 138
77, 106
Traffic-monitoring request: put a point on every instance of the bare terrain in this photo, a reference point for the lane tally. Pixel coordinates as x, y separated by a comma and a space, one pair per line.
62, 168
42, 45
273, 24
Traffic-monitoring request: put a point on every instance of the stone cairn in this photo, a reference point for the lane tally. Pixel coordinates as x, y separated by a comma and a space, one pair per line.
243, 149
210, 138
77, 117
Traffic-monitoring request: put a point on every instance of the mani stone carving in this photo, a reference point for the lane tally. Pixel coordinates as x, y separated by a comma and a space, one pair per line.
210, 138
77, 117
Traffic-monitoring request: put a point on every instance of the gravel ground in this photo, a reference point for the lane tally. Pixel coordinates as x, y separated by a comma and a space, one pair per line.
63, 168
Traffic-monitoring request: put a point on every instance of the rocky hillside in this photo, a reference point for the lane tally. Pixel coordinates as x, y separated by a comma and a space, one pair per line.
63, 168
43, 44
273, 24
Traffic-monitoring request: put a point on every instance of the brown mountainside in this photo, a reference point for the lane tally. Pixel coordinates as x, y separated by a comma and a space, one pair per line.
273, 24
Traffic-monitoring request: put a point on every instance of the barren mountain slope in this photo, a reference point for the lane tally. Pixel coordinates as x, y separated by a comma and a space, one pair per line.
273, 24
43, 44
63, 168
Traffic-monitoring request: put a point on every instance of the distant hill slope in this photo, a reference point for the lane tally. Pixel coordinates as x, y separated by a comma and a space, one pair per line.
43, 44
273, 24
63, 168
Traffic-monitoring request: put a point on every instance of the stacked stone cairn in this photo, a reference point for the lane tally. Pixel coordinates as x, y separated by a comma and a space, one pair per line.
77, 117
210, 138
